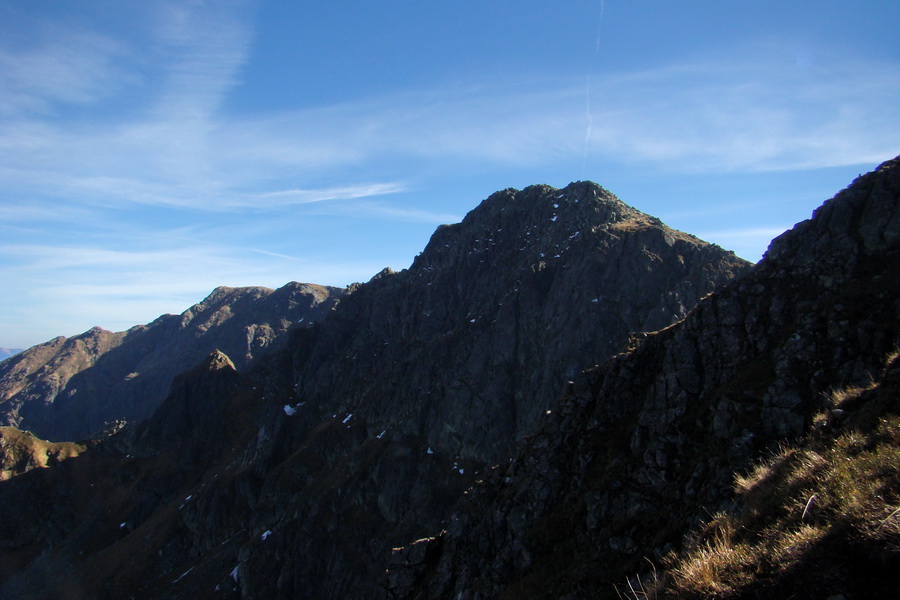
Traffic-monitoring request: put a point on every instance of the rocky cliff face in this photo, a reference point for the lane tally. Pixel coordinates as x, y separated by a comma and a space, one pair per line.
67, 389
469, 346
647, 445
376, 441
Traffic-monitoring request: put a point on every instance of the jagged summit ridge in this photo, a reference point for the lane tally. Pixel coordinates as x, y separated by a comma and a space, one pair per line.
542, 221
216, 361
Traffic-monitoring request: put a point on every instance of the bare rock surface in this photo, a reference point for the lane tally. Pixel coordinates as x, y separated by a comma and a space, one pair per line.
471, 344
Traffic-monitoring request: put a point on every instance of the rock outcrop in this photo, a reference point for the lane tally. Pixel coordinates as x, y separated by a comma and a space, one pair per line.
68, 389
21, 451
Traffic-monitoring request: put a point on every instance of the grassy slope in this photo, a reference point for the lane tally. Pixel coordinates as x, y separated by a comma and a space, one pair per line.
820, 518
21, 451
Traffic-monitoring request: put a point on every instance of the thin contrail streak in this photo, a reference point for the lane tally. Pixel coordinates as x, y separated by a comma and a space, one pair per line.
599, 24
590, 124
587, 95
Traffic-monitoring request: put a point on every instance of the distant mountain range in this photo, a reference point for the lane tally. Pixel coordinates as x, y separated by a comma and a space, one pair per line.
70, 388
7, 352
560, 398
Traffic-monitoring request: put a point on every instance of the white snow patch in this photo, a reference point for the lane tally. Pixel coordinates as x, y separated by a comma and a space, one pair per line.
265, 534
472, 321
595, 300
462, 471
380, 435
347, 418
289, 410
122, 524
183, 574
429, 451
234, 573
555, 205
553, 218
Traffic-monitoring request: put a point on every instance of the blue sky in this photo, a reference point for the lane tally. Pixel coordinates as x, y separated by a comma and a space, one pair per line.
152, 151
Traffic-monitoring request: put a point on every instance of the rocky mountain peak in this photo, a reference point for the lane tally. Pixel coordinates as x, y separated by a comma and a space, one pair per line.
216, 361
193, 418
538, 222
860, 220
512, 302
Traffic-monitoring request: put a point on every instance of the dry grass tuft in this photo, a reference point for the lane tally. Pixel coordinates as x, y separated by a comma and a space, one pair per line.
805, 514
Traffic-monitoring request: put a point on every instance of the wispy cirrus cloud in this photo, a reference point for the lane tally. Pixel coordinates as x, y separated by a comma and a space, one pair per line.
118, 288
61, 66
764, 114
406, 214
727, 113
312, 196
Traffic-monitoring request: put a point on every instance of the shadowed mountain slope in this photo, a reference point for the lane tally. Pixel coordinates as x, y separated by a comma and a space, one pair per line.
470, 345
648, 444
